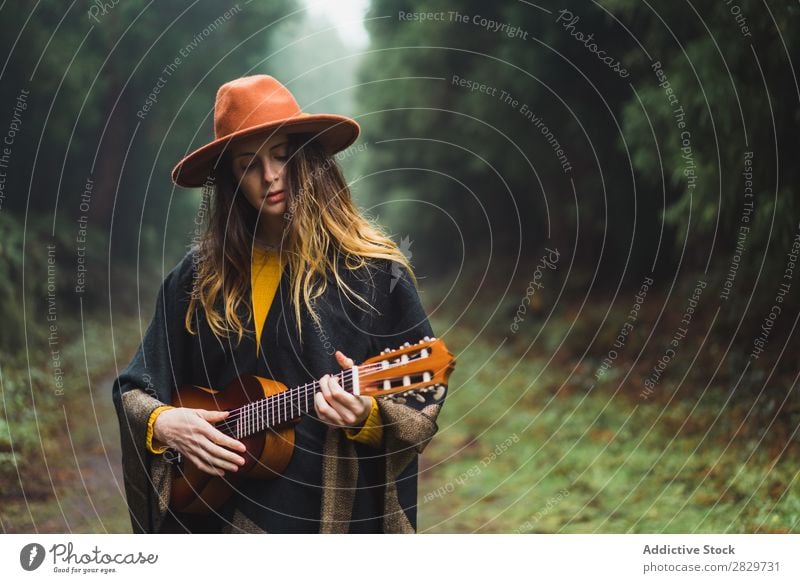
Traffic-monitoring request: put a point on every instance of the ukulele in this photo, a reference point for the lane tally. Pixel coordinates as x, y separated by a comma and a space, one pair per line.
263, 413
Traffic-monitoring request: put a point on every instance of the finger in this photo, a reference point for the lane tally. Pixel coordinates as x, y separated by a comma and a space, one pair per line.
345, 405
342, 397
200, 459
221, 441
221, 453
214, 434
212, 416
201, 465
329, 386
335, 383
211, 469
325, 411
343, 360
322, 408
344, 401
222, 458
211, 455
220, 438
316, 405
323, 385
348, 417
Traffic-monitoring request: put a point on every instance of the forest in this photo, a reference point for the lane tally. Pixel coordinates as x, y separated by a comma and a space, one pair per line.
599, 200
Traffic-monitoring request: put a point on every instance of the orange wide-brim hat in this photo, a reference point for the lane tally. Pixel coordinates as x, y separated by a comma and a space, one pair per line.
254, 105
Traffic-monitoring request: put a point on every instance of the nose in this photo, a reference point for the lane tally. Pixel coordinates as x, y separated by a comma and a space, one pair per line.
272, 171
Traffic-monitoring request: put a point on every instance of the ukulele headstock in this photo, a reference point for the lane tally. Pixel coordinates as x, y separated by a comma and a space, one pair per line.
410, 370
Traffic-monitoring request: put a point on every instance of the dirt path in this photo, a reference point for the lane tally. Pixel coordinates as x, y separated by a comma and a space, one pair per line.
84, 492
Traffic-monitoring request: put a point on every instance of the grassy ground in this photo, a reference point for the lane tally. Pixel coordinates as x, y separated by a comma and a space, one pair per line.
529, 443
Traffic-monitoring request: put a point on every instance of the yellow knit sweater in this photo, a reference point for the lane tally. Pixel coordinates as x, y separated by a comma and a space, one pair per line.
265, 276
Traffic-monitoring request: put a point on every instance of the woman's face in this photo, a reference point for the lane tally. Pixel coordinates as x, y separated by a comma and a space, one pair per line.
258, 167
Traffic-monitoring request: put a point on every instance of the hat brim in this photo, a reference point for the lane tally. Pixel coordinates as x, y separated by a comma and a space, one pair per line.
334, 132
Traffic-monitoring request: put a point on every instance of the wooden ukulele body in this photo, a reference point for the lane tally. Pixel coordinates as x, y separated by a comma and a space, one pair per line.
268, 452
263, 414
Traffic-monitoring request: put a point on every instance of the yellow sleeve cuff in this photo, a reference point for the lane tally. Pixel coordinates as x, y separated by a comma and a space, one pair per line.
371, 433
150, 423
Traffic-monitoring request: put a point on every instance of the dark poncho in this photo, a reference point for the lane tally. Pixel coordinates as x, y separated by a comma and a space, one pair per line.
332, 484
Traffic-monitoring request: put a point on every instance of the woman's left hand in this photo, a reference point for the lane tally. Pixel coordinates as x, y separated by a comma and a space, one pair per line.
336, 406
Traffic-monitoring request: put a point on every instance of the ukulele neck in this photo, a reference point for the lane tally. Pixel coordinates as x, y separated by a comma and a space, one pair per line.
281, 408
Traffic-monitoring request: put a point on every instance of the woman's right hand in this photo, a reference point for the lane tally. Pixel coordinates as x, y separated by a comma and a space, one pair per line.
190, 431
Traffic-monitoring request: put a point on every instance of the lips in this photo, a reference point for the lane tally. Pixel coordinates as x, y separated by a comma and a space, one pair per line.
275, 196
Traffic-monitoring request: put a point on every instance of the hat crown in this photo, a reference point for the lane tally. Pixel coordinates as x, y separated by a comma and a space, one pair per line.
252, 101
255, 105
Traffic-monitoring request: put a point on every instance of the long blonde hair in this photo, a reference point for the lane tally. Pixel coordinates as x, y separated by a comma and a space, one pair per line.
321, 220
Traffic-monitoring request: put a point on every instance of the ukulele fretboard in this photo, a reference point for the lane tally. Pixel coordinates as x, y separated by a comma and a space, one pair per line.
279, 409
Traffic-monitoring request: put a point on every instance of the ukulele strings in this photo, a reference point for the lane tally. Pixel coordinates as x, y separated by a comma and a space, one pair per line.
271, 407
276, 402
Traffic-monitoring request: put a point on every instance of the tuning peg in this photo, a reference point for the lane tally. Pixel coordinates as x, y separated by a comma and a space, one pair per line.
439, 392
407, 344
427, 338
419, 397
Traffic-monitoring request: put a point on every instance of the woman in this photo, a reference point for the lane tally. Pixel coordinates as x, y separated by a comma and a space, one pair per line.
289, 283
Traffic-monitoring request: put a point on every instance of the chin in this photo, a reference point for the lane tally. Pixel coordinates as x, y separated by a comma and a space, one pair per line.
274, 209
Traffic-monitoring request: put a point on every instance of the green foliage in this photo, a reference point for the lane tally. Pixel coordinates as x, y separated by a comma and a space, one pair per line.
483, 159
91, 74
484, 163
36, 261
720, 83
